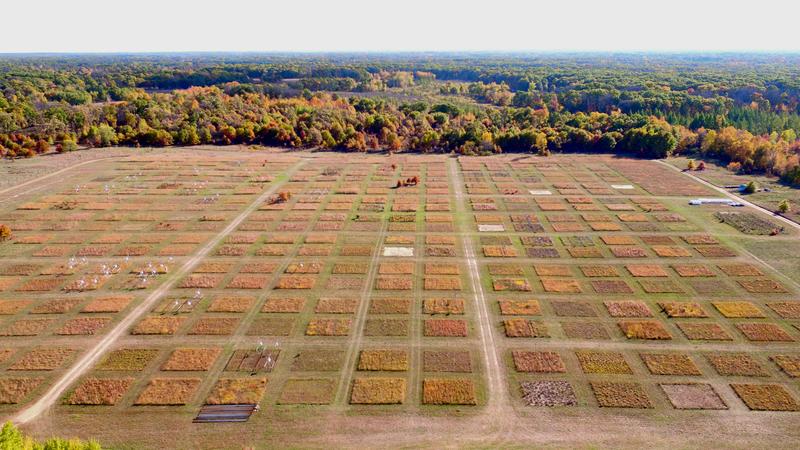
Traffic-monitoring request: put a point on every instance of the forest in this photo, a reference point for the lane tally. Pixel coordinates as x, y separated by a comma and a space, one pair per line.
741, 109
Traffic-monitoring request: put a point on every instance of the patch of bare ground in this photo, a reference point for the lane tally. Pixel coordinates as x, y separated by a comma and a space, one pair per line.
538, 427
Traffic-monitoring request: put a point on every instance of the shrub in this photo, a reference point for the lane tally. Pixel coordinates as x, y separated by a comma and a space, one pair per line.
701, 167
784, 207
750, 188
12, 438
691, 165
735, 167
5, 233
281, 197
69, 145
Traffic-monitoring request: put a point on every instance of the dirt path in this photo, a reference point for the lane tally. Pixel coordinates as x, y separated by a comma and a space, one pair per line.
92, 355
498, 401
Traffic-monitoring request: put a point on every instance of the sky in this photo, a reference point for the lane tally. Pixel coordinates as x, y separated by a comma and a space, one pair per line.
408, 25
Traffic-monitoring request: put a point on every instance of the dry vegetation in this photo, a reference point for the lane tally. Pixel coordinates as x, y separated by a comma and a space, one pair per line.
168, 391
236, 391
378, 391
100, 391
448, 391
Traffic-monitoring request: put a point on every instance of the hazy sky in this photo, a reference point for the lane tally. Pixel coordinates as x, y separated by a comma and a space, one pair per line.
409, 25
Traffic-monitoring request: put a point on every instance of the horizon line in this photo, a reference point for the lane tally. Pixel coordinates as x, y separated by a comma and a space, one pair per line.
406, 52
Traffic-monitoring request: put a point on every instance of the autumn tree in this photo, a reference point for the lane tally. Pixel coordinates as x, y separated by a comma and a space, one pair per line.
5, 232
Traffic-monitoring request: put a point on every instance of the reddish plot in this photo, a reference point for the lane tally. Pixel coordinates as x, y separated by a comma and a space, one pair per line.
704, 331
158, 325
627, 308
445, 328
191, 359
764, 332
537, 362
50, 358
328, 327
100, 391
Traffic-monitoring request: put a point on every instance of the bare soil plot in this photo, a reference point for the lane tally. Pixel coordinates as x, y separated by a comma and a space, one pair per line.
538, 362
307, 391
693, 396
446, 361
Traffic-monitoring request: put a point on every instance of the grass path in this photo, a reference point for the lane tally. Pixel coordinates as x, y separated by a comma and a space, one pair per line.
356, 333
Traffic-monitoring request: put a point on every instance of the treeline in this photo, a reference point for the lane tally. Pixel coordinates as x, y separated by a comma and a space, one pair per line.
759, 93
649, 107
210, 115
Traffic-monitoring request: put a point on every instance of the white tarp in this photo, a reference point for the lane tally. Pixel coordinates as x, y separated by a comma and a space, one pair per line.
489, 227
398, 251
712, 201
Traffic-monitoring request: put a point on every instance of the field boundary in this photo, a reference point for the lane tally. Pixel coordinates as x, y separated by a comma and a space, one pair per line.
93, 354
